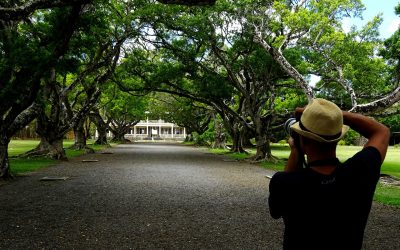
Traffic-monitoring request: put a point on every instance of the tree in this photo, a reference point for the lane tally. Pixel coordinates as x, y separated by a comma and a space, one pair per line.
123, 111
27, 59
316, 27
217, 55
67, 97
101, 126
184, 112
391, 52
29, 55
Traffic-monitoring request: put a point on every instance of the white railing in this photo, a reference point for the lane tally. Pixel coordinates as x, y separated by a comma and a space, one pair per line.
133, 137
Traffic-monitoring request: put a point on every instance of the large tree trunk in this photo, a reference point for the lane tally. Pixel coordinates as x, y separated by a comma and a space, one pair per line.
236, 140
268, 154
51, 140
101, 128
4, 163
219, 136
246, 135
8, 130
118, 134
262, 145
262, 142
48, 147
79, 136
102, 136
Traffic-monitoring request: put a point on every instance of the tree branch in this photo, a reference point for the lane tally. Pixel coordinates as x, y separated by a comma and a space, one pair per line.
189, 2
20, 12
286, 66
378, 105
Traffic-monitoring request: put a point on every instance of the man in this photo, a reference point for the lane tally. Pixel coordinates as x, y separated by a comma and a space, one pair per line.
325, 205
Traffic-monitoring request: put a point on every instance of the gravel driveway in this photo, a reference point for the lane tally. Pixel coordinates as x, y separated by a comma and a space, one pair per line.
153, 196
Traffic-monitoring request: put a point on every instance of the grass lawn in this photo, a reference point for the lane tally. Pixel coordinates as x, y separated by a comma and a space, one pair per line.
21, 165
384, 194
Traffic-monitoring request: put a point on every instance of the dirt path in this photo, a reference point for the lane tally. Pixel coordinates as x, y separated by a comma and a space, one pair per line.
151, 196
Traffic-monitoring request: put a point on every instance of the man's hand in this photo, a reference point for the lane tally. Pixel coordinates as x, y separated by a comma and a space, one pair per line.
298, 112
294, 160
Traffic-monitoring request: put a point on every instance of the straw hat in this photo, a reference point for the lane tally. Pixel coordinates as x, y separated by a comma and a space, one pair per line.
321, 121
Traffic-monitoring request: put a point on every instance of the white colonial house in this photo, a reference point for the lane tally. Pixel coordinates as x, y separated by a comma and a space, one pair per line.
156, 130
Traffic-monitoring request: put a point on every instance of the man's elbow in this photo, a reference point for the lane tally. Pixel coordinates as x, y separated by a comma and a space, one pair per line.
386, 133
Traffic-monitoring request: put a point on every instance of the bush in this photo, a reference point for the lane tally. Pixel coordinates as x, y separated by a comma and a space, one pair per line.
350, 138
282, 142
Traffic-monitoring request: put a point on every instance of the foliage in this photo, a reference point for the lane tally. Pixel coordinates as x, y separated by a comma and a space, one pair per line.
391, 51
121, 110
192, 115
350, 137
207, 138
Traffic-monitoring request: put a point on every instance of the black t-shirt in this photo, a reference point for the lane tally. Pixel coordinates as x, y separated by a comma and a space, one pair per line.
326, 211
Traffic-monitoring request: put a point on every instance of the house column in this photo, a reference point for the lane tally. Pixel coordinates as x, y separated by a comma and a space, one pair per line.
159, 128
184, 132
147, 127
172, 131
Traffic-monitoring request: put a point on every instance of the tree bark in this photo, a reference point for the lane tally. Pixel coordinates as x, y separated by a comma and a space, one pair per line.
7, 130
236, 140
245, 134
4, 163
268, 155
262, 147
286, 66
50, 147
51, 139
101, 127
219, 136
119, 135
80, 138
261, 136
378, 105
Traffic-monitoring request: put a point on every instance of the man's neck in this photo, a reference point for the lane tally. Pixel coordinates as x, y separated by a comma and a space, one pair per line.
321, 166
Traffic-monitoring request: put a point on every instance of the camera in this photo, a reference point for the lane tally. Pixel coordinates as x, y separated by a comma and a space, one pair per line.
288, 124
296, 140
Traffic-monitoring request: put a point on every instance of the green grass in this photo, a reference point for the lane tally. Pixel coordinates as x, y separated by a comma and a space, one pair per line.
389, 195
385, 194
21, 165
17, 147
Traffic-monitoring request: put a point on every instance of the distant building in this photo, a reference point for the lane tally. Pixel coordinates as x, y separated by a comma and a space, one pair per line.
156, 130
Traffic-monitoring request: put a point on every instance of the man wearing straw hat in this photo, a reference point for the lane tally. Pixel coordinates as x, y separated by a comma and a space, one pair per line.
325, 204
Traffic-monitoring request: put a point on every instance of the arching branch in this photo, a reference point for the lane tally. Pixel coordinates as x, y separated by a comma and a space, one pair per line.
20, 12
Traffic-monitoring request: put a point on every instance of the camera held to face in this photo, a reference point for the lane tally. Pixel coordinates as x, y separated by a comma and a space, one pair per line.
288, 124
